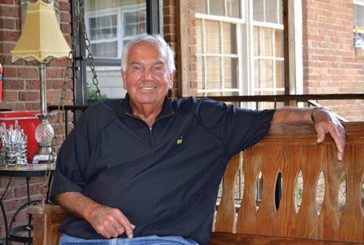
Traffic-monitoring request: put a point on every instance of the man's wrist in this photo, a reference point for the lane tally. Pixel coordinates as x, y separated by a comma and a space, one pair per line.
313, 113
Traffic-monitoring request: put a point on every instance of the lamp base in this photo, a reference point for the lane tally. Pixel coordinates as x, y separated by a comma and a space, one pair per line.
43, 155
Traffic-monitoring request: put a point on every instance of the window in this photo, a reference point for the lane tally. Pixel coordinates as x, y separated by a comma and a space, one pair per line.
103, 33
268, 48
239, 47
218, 26
359, 24
110, 25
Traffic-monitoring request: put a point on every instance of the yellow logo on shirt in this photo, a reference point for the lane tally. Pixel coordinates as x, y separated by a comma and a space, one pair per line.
180, 140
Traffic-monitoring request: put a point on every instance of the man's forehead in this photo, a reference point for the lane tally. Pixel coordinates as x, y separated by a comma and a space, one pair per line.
138, 53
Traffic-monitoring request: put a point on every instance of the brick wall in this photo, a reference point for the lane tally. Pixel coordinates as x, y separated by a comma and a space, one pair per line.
170, 33
170, 30
21, 91
330, 62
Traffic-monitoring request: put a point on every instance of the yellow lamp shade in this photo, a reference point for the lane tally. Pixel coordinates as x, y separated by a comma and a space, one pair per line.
41, 38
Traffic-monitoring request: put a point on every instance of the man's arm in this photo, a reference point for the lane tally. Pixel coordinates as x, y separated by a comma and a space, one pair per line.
324, 120
107, 221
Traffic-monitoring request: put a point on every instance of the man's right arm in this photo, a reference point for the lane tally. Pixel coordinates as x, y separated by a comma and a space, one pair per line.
107, 221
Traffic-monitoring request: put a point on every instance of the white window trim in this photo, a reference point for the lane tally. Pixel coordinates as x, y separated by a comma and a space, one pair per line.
359, 2
119, 12
128, 9
295, 47
246, 47
101, 13
356, 29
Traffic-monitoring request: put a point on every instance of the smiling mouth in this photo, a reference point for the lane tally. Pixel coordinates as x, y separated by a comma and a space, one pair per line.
148, 88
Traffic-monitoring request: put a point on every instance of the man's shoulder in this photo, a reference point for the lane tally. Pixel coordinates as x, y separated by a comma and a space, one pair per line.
194, 104
102, 113
110, 106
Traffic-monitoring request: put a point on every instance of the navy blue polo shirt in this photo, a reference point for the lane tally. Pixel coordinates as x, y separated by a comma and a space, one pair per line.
164, 179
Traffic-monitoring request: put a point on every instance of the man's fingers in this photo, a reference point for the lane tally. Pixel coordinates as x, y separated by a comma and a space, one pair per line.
110, 222
125, 223
320, 135
338, 134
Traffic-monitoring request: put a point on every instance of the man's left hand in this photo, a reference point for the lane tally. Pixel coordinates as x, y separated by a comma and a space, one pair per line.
326, 122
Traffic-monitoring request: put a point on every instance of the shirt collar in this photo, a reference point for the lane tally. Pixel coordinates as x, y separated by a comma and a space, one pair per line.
167, 108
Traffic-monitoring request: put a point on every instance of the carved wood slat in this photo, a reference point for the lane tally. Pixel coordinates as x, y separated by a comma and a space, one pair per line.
289, 166
354, 170
226, 217
307, 218
246, 222
329, 219
290, 149
266, 213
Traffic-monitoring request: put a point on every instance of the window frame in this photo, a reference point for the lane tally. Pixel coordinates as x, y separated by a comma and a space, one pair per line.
153, 20
245, 44
98, 14
358, 29
204, 55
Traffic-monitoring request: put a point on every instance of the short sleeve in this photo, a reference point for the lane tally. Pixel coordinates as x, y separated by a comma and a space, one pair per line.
238, 128
72, 157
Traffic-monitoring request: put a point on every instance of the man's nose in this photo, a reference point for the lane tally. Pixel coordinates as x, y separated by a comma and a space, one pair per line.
147, 74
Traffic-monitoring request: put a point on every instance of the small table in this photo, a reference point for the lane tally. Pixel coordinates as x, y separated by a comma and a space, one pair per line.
27, 172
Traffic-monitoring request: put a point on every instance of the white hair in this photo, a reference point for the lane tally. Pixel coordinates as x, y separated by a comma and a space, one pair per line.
156, 40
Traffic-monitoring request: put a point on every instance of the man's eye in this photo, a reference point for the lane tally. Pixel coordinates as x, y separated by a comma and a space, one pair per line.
136, 68
158, 69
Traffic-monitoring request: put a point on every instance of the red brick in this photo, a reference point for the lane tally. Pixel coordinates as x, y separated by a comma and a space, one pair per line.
53, 95
28, 96
169, 19
13, 84
32, 106
11, 2
64, 6
62, 83
32, 85
10, 12
28, 72
53, 73
7, 23
65, 17
16, 106
66, 28
10, 96
169, 3
5, 48
169, 29
170, 38
68, 95
169, 11
64, 62
49, 84
12, 205
9, 72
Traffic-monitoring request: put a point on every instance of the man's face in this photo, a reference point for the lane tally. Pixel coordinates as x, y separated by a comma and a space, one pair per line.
147, 78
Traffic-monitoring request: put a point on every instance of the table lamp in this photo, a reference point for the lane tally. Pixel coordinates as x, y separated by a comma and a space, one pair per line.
41, 40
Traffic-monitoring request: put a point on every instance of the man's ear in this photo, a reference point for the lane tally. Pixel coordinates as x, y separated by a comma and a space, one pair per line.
171, 76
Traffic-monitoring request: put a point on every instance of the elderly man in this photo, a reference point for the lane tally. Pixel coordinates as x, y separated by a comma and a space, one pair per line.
146, 169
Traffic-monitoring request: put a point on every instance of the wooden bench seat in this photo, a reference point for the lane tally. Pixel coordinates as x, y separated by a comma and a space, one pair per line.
225, 238
288, 150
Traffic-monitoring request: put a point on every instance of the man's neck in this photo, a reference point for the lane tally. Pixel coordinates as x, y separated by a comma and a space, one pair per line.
148, 113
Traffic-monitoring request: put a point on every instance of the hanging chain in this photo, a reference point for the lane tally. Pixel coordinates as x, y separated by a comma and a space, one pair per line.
79, 25
90, 57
